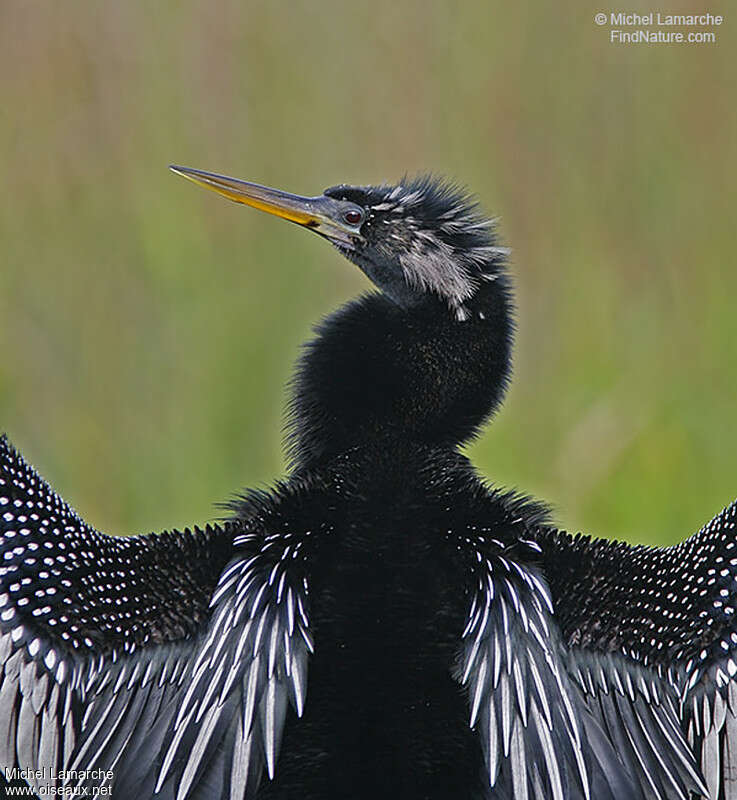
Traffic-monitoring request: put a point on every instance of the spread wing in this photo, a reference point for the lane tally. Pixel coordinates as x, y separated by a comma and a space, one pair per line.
540, 739
652, 633
159, 665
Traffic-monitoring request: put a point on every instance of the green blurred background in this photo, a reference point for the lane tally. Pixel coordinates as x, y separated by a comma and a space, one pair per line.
147, 328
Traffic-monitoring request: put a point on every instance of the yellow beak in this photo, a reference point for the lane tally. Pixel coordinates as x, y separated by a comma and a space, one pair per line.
321, 214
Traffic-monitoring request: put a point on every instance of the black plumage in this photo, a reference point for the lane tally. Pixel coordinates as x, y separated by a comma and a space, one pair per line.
434, 636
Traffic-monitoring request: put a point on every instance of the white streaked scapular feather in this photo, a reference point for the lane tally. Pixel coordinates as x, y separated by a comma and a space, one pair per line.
506, 703
6, 647
720, 711
298, 675
550, 756
711, 762
211, 688
68, 694
27, 737
480, 688
645, 725
49, 745
172, 751
539, 686
120, 680
39, 693
250, 688
104, 740
521, 690
582, 771
497, 660
70, 739
519, 763
81, 757
509, 687
274, 707
730, 757
242, 760
256, 645
537, 784
195, 759
573, 727
494, 752
8, 716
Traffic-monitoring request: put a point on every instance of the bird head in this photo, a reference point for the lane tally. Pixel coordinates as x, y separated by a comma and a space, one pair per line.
425, 360
420, 241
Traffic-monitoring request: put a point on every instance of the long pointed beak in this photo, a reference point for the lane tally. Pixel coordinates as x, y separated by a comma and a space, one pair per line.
317, 213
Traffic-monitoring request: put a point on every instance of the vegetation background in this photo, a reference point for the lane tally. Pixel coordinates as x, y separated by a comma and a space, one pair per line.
147, 328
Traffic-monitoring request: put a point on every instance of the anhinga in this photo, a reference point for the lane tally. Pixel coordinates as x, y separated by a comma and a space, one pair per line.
434, 637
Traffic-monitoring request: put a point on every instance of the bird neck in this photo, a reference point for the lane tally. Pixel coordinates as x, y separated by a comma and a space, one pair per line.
380, 373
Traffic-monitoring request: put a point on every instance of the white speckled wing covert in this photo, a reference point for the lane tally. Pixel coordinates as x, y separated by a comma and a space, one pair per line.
177, 680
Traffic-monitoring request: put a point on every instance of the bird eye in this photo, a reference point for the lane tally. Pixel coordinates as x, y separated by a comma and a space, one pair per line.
353, 217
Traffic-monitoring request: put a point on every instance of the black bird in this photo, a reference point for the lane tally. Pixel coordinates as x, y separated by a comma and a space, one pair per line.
434, 637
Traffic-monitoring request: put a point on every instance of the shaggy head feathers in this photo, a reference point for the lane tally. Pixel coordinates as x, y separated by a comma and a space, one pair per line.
423, 237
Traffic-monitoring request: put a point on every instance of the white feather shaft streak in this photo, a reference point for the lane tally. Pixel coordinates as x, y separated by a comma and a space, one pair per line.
493, 742
241, 763
711, 763
471, 658
730, 757
198, 750
518, 758
521, 690
210, 691
497, 660
541, 693
79, 761
506, 702
551, 758
273, 645
193, 687
672, 736
223, 588
720, 710
270, 732
645, 727
480, 686
298, 683
171, 752
104, 742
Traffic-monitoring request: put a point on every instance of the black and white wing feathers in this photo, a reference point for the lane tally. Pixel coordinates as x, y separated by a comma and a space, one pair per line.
659, 626
539, 736
160, 665
250, 665
519, 696
708, 662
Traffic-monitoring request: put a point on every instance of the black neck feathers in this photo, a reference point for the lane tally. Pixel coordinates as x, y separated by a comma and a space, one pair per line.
380, 373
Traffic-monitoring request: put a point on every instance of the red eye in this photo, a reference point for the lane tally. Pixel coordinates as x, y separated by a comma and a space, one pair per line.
353, 217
